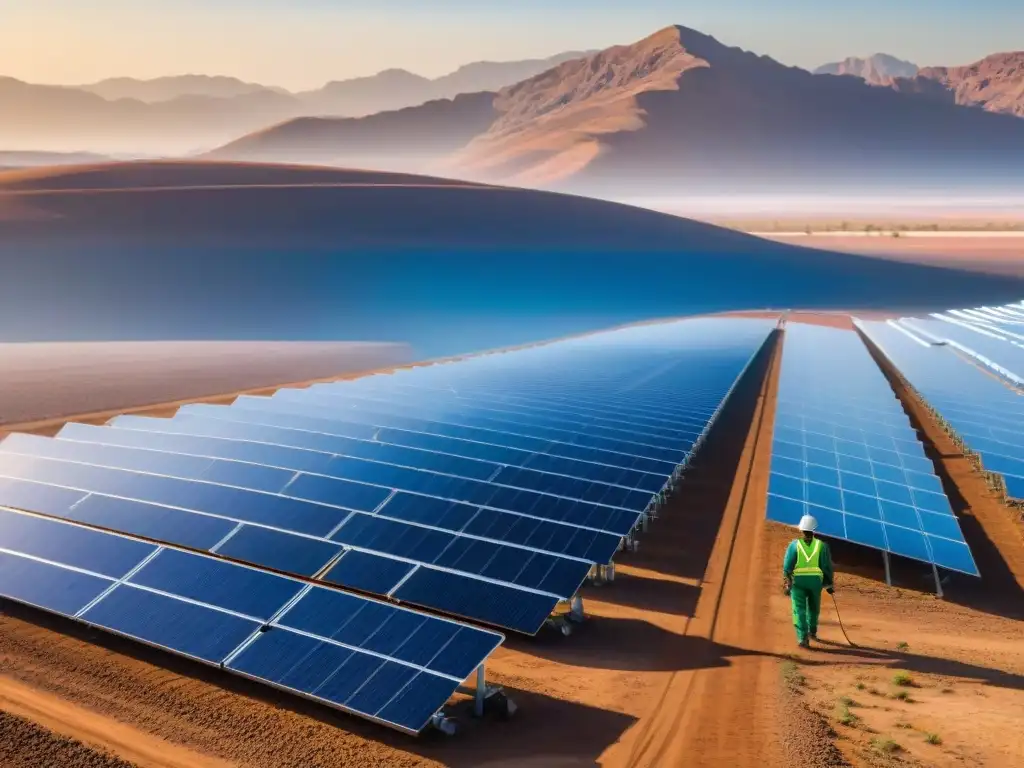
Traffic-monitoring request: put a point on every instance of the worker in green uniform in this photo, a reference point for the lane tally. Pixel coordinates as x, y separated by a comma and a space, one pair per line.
807, 568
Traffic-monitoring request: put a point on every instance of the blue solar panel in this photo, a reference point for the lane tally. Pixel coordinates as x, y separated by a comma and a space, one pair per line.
487, 457
980, 408
99, 553
379, 661
862, 472
279, 550
306, 556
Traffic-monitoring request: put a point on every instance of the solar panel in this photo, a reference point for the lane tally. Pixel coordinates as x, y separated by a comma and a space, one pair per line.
581, 438
844, 451
393, 557
485, 456
983, 413
993, 346
389, 664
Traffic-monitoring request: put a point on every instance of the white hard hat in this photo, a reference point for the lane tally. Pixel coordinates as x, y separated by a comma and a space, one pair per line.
808, 523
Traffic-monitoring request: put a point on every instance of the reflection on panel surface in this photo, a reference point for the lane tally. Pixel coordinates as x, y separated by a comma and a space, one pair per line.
845, 452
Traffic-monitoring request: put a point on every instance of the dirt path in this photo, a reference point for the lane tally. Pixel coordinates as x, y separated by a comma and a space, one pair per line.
89, 728
26, 744
711, 714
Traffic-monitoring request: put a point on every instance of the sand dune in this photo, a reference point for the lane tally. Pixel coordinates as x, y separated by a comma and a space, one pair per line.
208, 250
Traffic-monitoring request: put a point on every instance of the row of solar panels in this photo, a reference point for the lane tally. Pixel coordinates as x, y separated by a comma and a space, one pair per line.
966, 365
845, 452
380, 661
485, 489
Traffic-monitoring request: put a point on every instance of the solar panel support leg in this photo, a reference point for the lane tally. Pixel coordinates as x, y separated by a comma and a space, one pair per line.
644, 522
481, 691
938, 581
610, 572
888, 573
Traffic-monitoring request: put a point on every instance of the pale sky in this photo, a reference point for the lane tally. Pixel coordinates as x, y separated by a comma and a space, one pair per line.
304, 43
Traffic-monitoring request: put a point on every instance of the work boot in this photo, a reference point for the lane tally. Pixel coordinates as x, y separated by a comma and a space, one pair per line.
805, 644
814, 636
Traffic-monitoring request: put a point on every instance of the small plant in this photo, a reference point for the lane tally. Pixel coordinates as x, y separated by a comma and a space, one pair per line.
846, 701
903, 696
846, 717
874, 691
933, 738
905, 726
792, 675
861, 686
885, 746
902, 647
947, 690
902, 679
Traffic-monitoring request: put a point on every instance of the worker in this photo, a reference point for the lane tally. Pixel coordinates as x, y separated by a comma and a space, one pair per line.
807, 568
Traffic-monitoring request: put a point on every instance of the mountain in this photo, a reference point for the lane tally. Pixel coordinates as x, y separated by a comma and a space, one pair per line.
56, 118
193, 113
154, 250
679, 112
387, 90
879, 69
407, 139
492, 75
174, 87
996, 83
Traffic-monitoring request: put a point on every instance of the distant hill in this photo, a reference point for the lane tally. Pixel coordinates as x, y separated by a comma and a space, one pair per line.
879, 69
31, 159
194, 113
174, 87
235, 251
676, 112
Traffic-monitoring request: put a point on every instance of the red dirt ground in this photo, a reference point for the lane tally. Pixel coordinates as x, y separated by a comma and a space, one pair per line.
687, 659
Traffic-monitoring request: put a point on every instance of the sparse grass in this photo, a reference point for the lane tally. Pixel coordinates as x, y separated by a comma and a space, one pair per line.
933, 738
846, 701
874, 691
905, 726
861, 686
792, 675
903, 696
902, 647
902, 679
885, 746
846, 717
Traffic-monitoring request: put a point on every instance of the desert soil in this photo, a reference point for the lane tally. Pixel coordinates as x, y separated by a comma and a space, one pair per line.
979, 253
688, 658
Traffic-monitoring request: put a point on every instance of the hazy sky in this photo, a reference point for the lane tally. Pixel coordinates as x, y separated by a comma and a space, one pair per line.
303, 43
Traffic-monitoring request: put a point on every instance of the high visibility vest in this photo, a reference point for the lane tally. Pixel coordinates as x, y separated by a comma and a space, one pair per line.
807, 556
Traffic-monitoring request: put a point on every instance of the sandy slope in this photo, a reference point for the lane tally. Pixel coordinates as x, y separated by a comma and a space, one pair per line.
48, 380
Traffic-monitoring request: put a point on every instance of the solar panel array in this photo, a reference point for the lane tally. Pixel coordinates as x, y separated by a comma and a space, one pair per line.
391, 665
982, 410
486, 488
844, 451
